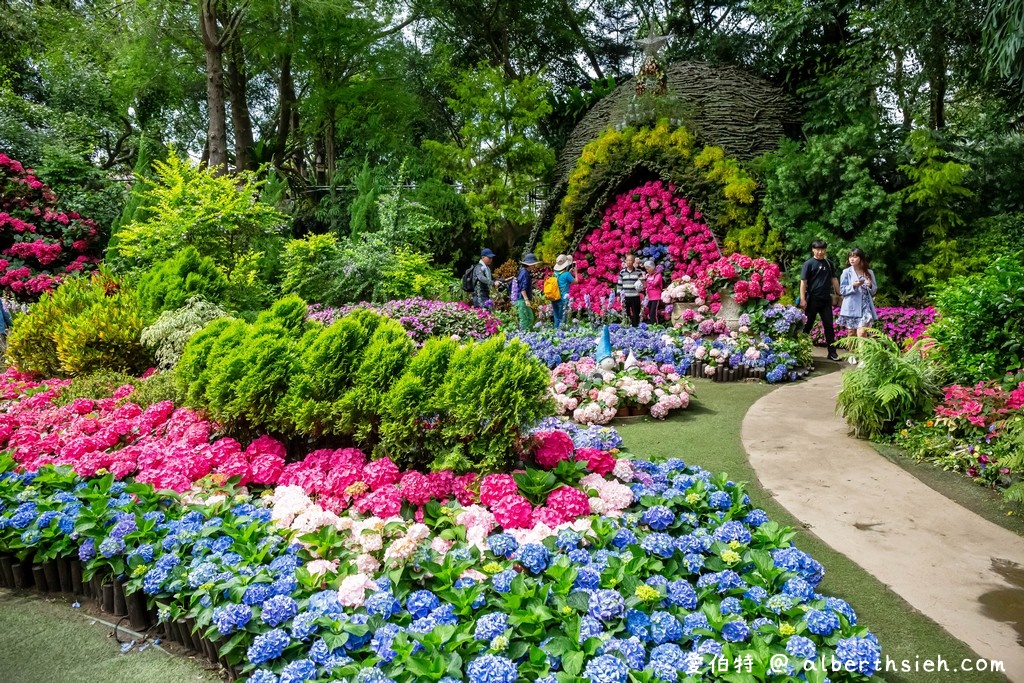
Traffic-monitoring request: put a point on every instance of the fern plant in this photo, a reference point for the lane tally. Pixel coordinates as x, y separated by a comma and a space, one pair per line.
889, 386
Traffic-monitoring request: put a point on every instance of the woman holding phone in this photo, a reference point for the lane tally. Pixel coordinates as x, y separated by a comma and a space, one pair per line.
857, 286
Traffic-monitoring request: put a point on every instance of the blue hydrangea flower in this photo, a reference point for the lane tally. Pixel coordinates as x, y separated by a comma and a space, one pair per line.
821, 623
492, 669
490, 626
730, 606
631, 649
86, 551
372, 676
268, 646
262, 676
590, 628
694, 621
756, 594
682, 594
732, 531
304, 625
756, 518
587, 579
382, 640
606, 604
533, 556
736, 631
567, 540
858, 654
279, 609
665, 628
383, 604
579, 556
708, 646
799, 589
658, 517
780, 603
502, 545
421, 603
502, 581
298, 671
842, 607
659, 544
230, 618
667, 661
798, 646
606, 669
796, 560
720, 500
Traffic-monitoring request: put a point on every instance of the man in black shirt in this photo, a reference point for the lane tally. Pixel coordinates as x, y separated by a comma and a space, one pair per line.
818, 282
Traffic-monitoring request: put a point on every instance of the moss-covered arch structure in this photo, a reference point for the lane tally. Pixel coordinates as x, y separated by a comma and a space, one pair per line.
697, 137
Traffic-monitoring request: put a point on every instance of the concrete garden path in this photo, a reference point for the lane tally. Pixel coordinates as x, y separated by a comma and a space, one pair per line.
962, 571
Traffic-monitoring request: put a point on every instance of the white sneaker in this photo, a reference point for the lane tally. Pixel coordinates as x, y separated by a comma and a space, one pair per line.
852, 361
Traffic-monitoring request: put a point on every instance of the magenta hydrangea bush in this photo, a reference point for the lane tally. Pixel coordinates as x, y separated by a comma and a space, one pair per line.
39, 244
653, 222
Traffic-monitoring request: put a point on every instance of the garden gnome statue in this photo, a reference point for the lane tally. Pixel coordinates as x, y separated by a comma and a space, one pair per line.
604, 350
630, 361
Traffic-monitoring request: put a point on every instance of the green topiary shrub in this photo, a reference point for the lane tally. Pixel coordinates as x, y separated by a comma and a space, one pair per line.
327, 370
170, 283
383, 362
157, 387
86, 325
492, 393
289, 312
979, 328
889, 387
410, 414
201, 352
167, 337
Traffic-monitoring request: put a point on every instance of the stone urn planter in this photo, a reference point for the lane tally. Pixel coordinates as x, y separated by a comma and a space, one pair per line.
730, 311
679, 307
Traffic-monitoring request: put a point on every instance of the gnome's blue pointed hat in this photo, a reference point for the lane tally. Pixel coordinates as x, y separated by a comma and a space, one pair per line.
604, 345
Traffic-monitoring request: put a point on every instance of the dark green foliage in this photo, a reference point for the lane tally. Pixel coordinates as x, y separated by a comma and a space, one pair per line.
409, 412
889, 387
827, 189
100, 384
154, 389
980, 324
268, 369
492, 391
170, 283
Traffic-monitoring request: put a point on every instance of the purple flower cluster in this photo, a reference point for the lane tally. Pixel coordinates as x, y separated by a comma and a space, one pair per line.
901, 324
422, 318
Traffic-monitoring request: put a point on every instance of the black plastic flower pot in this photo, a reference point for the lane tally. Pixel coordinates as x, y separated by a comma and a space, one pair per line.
138, 615
76, 577
39, 578
52, 575
185, 634
120, 606
6, 574
18, 575
96, 590
64, 575
107, 597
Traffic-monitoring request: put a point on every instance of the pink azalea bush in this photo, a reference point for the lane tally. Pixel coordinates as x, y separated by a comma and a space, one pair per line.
651, 215
902, 324
39, 244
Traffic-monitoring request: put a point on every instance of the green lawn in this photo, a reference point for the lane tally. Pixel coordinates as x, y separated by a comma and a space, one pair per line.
46, 641
708, 434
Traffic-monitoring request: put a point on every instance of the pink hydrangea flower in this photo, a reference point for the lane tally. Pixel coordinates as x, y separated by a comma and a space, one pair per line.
552, 448
512, 512
494, 487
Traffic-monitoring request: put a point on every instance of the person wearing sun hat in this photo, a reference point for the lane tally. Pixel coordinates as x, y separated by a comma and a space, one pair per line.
565, 272
522, 292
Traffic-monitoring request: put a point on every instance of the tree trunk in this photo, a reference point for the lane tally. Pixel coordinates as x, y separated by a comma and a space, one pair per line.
937, 78
240, 121
216, 136
286, 96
